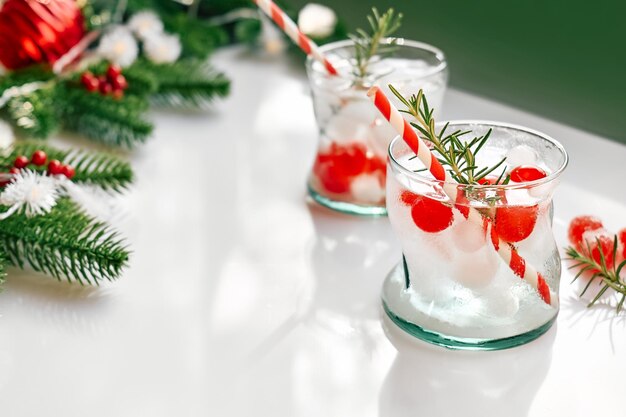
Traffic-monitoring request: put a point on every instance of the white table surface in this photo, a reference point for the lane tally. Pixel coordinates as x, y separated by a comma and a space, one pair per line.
242, 299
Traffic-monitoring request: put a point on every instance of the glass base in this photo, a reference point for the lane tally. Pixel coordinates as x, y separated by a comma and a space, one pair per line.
461, 343
347, 208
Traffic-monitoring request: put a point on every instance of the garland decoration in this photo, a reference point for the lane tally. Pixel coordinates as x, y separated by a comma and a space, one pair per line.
72, 74
41, 227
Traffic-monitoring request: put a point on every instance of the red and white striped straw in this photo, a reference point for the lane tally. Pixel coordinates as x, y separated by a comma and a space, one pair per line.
291, 29
507, 252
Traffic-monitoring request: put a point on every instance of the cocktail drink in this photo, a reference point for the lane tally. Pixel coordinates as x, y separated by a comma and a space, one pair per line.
349, 171
482, 271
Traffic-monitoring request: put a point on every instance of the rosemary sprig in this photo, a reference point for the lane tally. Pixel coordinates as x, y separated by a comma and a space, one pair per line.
609, 275
367, 45
455, 153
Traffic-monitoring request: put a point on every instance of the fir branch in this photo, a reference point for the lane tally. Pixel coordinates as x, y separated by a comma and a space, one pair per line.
65, 243
368, 45
185, 83
97, 168
198, 38
453, 151
608, 275
103, 118
34, 115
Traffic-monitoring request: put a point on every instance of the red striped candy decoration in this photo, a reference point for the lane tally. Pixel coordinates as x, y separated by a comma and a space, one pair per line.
506, 251
291, 29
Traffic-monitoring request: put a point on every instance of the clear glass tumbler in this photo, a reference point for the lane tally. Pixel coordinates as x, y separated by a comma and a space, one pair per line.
349, 171
452, 287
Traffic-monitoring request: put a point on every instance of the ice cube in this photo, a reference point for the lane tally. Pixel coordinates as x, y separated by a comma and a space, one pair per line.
468, 236
366, 188
475, 270
352, 122
521, 155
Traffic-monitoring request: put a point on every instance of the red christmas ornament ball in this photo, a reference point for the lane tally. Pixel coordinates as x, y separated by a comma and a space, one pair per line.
38, 31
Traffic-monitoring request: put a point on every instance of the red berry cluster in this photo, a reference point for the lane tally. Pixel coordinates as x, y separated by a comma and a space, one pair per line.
39, 158
112, 82
510, 223
589, 237
337, 167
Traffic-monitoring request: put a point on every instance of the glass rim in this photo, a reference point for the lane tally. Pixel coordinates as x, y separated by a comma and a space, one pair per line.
510, 186
443, 63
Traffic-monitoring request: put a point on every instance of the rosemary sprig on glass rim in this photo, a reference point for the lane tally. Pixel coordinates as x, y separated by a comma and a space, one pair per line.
458, 155
367, 45
609, 275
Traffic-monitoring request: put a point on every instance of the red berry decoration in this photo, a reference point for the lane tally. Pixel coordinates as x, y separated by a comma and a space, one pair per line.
579, 225
119, 82
515, 223
526, 173
600, 243
113, 71
105, 87
68, 171
14, 171
430, 215
90, 81
621, 238
38, 158
408, 197
55, 167
487, 181
20, 162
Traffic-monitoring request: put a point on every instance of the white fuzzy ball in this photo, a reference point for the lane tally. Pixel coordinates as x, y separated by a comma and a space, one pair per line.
162, 48
119, 47
366, 188
316, 20
145, 24
6, 134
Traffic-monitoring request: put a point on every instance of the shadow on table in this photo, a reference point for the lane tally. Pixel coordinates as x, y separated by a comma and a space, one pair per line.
61, 304
350, 258
427, 380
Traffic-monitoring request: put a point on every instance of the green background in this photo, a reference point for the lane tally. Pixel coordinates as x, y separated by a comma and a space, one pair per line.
564, 60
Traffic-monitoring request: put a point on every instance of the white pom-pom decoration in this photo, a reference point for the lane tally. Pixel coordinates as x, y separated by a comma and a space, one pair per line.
6, 134
317, 21
366, 188
35, 193
162, 48
119, 47
145, 24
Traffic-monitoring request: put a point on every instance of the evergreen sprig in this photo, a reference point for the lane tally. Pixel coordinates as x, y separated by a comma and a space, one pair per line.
34, 115
453, 152
609, 275
368, 45
96, 168
185, 83
65, 243
103, 118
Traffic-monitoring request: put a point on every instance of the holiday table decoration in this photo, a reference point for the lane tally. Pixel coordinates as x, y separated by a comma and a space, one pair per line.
154, 60
480, 268
43, 226
598, 256
38, 31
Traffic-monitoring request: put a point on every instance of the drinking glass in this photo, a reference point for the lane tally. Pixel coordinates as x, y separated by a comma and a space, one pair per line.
349, 170
452, 287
